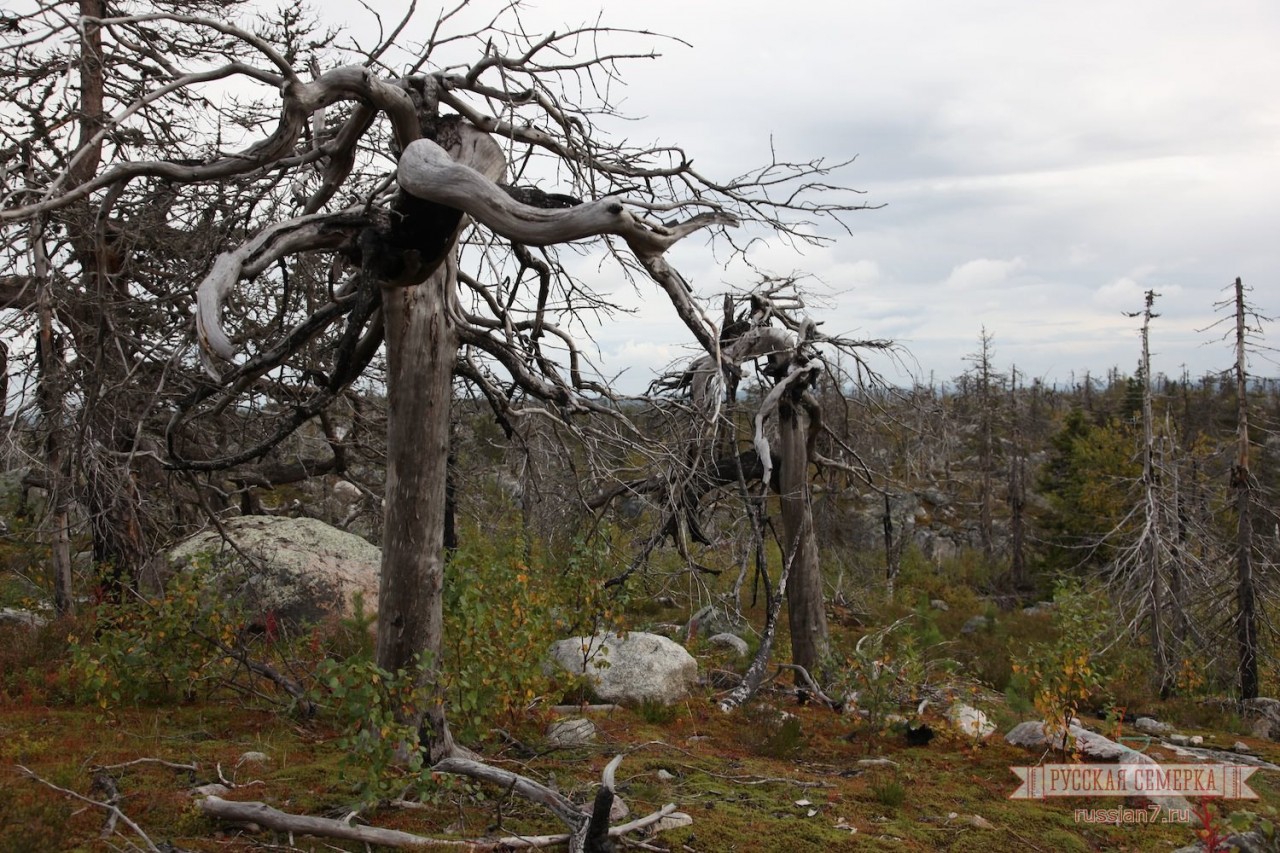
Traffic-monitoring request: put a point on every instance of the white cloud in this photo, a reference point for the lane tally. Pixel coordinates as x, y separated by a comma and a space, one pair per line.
1123, 294
1080, 254
983, 273
644, 360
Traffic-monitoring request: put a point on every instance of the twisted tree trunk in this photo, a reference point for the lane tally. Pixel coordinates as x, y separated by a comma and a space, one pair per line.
422, 346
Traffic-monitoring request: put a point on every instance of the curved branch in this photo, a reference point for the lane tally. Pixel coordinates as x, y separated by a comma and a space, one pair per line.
770, 403
550, 391
301, 99
313, 231
427, 171
532, 791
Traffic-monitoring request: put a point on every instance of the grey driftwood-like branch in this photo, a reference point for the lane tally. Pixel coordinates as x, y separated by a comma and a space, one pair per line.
426, 171
272, 818
587, 833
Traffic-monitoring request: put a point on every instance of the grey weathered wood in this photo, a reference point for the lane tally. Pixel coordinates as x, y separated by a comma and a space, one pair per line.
274, 819
422, 346
264, 815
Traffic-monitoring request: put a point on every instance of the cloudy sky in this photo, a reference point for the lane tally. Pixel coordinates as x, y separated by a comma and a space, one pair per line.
1042, 165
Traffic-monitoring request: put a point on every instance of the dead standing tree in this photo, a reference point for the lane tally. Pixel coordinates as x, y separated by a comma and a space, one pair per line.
769, 328
400, 181
1166, 578
1245, 334
794, 357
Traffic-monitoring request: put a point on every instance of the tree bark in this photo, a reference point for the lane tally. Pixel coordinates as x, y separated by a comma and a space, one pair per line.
50, 393
807, 615
422, 346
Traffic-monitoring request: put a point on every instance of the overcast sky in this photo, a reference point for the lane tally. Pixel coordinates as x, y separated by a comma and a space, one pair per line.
1042, 164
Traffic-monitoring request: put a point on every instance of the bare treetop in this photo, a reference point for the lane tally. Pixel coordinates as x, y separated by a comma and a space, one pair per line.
173, 102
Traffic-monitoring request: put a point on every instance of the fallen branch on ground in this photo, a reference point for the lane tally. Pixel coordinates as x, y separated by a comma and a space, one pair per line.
274, 819
111, 808
191, 768
587, 833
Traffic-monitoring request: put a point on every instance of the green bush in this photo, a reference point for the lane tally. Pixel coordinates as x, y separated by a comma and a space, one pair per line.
502, 613
381, 753
1060, 675
888, 790
159, 648
890, 666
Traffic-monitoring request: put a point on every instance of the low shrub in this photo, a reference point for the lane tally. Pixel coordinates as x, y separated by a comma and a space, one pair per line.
170, 646
1060, 675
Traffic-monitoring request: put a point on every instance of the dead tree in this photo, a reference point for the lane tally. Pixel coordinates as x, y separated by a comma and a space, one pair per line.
770, 329
1245, 328
378, 213
1164, 577
1246, 596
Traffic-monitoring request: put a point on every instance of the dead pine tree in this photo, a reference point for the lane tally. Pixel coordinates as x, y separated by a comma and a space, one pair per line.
1140, 567
393, 204
1164, 576
790, 438
1150, 548
1245, 328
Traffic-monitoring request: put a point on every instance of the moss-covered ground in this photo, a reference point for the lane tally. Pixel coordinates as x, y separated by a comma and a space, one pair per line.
748, 781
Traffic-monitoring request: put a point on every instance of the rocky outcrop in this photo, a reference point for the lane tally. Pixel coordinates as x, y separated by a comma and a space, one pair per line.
297, 569
629, 669
575, 731
1263, 715
21, 618
713, 620
1150, 726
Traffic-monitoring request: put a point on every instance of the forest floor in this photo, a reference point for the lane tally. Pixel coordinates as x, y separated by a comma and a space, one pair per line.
750, 781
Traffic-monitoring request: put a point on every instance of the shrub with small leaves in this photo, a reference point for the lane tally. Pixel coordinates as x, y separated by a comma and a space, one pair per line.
502, 613
889, 667
165, 647
381, 753
1062, 674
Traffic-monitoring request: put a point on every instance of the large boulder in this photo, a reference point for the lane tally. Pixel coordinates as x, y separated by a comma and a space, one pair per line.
297, 569
1263, 714
629, 669
1090, 745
